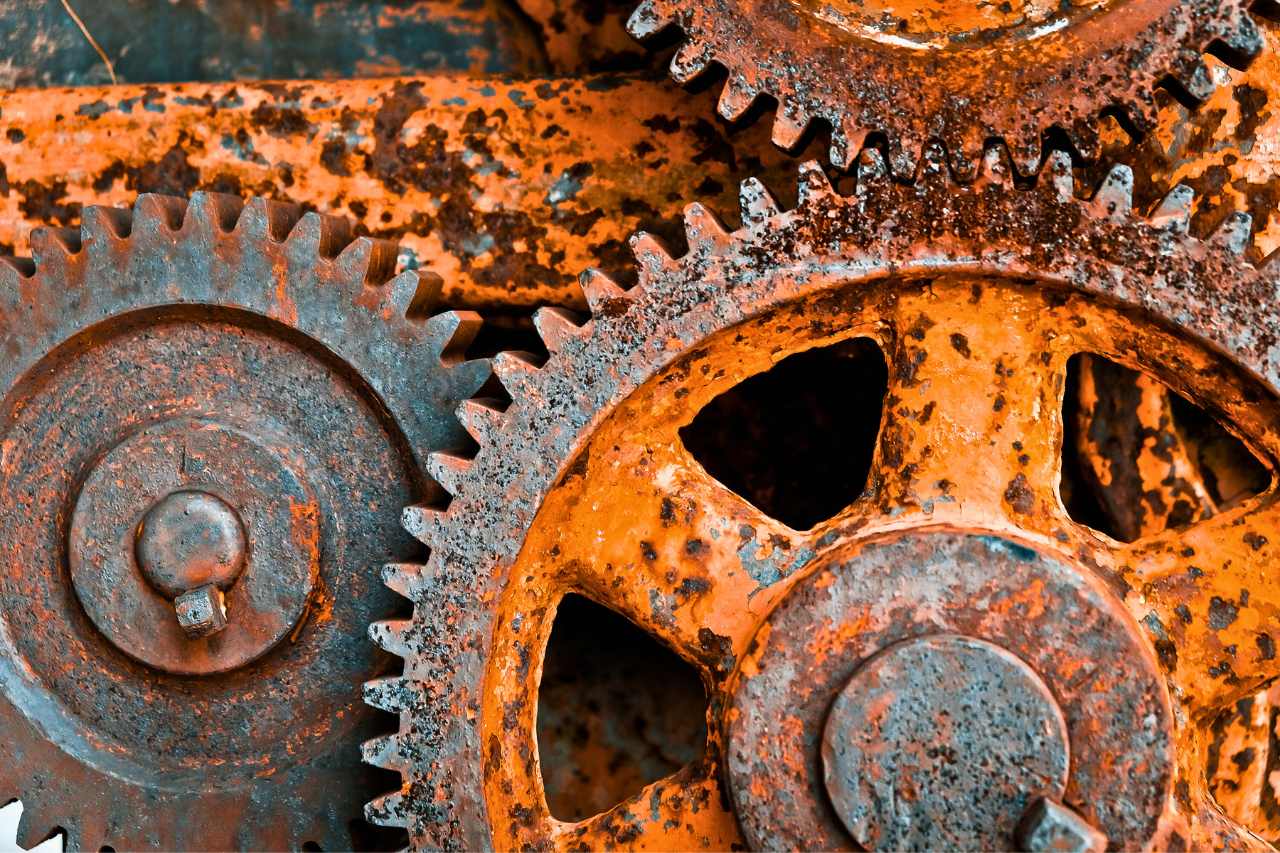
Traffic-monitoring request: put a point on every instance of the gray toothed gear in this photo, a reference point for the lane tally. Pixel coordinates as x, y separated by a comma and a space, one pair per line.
246, 350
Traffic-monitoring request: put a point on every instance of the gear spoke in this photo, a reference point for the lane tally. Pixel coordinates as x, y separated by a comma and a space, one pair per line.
973, 427
1207, 594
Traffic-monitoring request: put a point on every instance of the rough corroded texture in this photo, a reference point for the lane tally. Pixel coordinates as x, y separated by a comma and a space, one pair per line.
978, 296
506, 190
1012, 71
180, 41
267, 357
969, 769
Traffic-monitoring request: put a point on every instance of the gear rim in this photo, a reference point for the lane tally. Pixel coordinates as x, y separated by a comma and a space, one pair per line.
1096, 248
790, 53
315, 296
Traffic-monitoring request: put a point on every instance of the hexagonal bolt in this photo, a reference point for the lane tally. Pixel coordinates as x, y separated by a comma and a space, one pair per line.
1050, 826
201, 612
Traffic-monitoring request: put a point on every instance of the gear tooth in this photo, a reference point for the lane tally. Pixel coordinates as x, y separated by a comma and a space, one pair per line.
996, 168
387, 810
213, 212
1086, 137
789, 126
153, 212
602, 293
1242, 38
702, 228
33, 831
555, 326
392, 636
1058, 176
482, 422
646, 21
1114, 199
933, 162
966, 152
1197, 81
690, 61
871, 169
414, 293
448, 470
423, 523
814, 183
1173, 213
319, 235
846, 142
736, 98
516, 372
651, 255
403, 578
263, 219
756, 202
105, 223
368, 260
451, 332
386, 752
1235, 234
905, 153
1026, 151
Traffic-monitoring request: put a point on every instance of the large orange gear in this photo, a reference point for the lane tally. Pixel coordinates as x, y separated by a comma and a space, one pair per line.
978, 295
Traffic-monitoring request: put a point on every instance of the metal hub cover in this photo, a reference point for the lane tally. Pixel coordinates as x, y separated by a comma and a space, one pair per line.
942, 742
938, 684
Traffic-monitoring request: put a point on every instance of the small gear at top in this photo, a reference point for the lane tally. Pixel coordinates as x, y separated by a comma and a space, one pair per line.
963, 73
213, 413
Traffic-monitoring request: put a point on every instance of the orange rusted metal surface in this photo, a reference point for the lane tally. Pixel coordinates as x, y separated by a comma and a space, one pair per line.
504, 189
978, 297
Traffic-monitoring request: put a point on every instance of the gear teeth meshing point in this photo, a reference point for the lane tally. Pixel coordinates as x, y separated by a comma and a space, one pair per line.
789, 126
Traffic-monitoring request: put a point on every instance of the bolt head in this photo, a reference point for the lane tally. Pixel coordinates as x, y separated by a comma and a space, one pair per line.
201, 612
190, 538
1049, 826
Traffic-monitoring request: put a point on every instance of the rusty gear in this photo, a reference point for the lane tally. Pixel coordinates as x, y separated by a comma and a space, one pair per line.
935, 70
211, 418
583, 485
